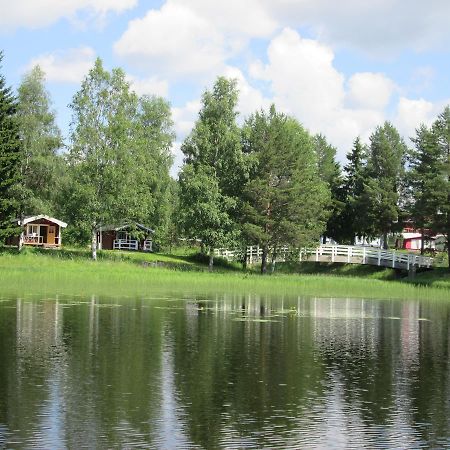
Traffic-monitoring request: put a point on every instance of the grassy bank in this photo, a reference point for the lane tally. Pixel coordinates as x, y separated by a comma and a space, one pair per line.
124, 274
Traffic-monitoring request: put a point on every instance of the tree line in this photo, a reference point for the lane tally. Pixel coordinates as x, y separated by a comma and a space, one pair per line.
266, 182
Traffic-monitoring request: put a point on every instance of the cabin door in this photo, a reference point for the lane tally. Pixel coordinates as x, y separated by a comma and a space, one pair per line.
51, 235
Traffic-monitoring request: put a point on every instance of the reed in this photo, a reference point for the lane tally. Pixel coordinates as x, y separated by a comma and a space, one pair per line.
40, 273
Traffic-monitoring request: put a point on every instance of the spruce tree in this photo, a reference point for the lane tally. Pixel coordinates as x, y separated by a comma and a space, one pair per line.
351, 220
330, 172
424, 180
381, 200
441, 219
10, 158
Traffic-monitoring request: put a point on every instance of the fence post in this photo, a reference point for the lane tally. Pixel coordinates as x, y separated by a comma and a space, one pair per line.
317, 255
379, 256
250, 259
364, 255
407, 263
393, 259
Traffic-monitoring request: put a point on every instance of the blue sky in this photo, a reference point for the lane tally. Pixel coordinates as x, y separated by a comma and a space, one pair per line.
341, 68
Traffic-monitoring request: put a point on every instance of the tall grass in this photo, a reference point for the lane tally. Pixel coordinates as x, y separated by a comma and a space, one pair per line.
44, 273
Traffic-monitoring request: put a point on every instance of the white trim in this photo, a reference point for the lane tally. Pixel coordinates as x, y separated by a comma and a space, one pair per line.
42, 216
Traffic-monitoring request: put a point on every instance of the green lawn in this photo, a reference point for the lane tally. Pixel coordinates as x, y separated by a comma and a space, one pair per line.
70, 272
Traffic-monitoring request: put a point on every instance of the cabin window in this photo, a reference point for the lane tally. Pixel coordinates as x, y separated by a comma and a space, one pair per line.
33, 230
122, 235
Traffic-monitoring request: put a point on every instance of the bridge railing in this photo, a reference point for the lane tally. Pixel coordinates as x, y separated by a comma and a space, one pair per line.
369, 255
334, 253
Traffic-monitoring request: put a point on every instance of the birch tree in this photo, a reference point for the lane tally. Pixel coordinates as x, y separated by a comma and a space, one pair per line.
41, 139
105, 185
213, 174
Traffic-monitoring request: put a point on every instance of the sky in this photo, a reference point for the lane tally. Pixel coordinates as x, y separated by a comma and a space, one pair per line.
341, 68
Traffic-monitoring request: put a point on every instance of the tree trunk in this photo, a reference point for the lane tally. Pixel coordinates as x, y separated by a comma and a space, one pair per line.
211, 260
264, 259
21, 239
272, 266
448, 249
94, 244
21, 235
385, 241
324, 239
244, 260
422, 242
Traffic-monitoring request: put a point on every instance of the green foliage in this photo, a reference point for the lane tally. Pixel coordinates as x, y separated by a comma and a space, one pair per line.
381, 200
330, 173
429, 177
46, 274
10, 157
284, 199
424, 178
213, 174
215, 140
40, 165
120, 155
352, 223
205, 210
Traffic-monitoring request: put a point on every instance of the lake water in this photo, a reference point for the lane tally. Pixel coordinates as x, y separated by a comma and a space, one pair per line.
223, 372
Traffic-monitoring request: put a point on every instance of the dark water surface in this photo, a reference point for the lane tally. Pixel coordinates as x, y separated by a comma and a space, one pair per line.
225, 372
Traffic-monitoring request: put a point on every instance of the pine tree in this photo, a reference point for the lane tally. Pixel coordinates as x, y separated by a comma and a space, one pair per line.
10, 158
285, 199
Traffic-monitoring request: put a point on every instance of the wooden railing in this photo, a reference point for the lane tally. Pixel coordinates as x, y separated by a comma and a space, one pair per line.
30, 239
148, 246
335, 253
125, 244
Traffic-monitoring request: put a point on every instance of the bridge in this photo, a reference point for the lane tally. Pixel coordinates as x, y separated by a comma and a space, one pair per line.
347, 254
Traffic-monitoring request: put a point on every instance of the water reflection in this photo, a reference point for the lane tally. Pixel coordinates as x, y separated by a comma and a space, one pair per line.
231, 371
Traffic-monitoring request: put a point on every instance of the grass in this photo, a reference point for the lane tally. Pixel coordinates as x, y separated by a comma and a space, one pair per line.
70, 272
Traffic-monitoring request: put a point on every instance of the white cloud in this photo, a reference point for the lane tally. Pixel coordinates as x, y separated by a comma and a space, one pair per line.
68, 66
379, 26
305, 82
370, 90
174, 40
246, 18
184, 118
250, 99
177, 159
412, 113
41, 13
149, 86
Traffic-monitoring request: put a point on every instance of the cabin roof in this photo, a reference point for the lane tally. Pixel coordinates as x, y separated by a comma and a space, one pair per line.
408, 236
126, 225
39, 217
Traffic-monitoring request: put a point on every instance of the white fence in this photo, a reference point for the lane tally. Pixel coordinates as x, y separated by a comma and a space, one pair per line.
125, 244
335, 253
148, 245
